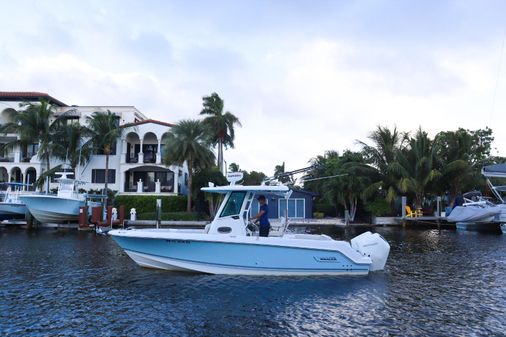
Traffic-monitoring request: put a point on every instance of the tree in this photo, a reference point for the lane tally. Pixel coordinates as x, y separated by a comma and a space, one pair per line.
104, 131
279, 174
346, 189
233, 167
253, 178
68, 144
453, 159
33, 122
187, 142
416, 166
207, 202
219, 125
382, 154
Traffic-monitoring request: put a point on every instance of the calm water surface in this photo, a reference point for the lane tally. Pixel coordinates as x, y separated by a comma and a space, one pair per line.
436, 284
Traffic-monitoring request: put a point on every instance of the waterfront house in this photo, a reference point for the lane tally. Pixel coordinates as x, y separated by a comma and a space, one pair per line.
135, 165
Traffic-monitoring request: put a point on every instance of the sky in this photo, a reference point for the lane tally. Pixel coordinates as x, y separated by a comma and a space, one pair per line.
303, 77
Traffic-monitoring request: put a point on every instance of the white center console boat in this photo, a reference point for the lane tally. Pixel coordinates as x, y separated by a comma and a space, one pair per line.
231, 245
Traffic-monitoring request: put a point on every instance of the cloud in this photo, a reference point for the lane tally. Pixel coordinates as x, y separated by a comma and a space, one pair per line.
302, 77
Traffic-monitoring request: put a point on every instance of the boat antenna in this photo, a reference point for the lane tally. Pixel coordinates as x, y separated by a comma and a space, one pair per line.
327, 177
289, 174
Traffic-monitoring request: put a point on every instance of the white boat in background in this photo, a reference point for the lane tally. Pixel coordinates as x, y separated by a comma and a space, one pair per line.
231, 244
11, 207
478, 212
474, 211
59, 208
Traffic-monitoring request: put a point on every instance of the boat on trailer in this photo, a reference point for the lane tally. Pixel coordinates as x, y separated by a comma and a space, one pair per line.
231, 244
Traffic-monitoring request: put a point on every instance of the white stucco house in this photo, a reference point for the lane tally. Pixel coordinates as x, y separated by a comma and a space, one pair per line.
135, 166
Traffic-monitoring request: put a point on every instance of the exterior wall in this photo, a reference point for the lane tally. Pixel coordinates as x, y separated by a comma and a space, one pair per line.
149, 134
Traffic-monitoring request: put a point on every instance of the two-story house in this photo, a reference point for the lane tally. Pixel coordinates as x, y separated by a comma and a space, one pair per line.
135, 165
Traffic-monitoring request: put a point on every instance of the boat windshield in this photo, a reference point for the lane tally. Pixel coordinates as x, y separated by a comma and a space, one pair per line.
234, 203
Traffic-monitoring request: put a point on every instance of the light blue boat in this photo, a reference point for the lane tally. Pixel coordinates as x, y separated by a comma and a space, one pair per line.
230, 245
59, 208
11, 206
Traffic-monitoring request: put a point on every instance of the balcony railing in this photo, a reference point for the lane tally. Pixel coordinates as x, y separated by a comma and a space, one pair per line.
7, 159
150, 157
26, 158
132, 159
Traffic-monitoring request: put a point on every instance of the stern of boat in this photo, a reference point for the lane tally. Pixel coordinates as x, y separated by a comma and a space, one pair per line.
373, 246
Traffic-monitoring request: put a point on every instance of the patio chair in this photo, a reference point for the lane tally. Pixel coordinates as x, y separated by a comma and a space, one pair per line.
412, 214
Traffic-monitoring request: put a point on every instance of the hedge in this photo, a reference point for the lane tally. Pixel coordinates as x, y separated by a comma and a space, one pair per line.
147, 203
173, 216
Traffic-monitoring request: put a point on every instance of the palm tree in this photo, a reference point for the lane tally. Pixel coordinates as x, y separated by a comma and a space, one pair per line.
416, 163
33, 124
382, 154
187, 142
279, 174
68, 144
104, 131
219, 124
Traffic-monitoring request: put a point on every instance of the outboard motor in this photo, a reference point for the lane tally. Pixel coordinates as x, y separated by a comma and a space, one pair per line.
373, 246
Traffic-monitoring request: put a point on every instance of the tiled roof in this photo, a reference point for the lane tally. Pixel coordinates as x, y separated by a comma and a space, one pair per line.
147, 121
28, 96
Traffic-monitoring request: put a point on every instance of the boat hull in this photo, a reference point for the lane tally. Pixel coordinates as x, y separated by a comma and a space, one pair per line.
53, 209
10, 211
246, 256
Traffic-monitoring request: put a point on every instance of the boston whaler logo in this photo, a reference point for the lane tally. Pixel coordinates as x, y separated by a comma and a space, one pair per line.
178, 241
325, 259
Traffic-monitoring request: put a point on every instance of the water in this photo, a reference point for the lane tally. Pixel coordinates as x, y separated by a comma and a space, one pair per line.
68, 283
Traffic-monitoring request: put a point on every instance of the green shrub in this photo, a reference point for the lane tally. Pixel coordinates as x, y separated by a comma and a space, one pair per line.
172, 216
378, 207
147, 203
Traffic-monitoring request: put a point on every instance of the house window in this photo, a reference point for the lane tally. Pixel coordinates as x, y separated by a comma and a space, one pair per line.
296, 208
98, 176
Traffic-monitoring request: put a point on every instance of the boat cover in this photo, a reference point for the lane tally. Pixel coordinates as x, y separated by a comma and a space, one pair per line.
496, 170
473, 214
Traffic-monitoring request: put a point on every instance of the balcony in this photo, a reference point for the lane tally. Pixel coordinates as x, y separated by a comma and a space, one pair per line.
132, 159
150, 157
8, 159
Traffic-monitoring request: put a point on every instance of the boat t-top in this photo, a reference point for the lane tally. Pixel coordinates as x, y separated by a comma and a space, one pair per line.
231, 244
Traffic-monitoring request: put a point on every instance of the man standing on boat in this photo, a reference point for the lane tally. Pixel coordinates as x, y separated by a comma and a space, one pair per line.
263, 217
